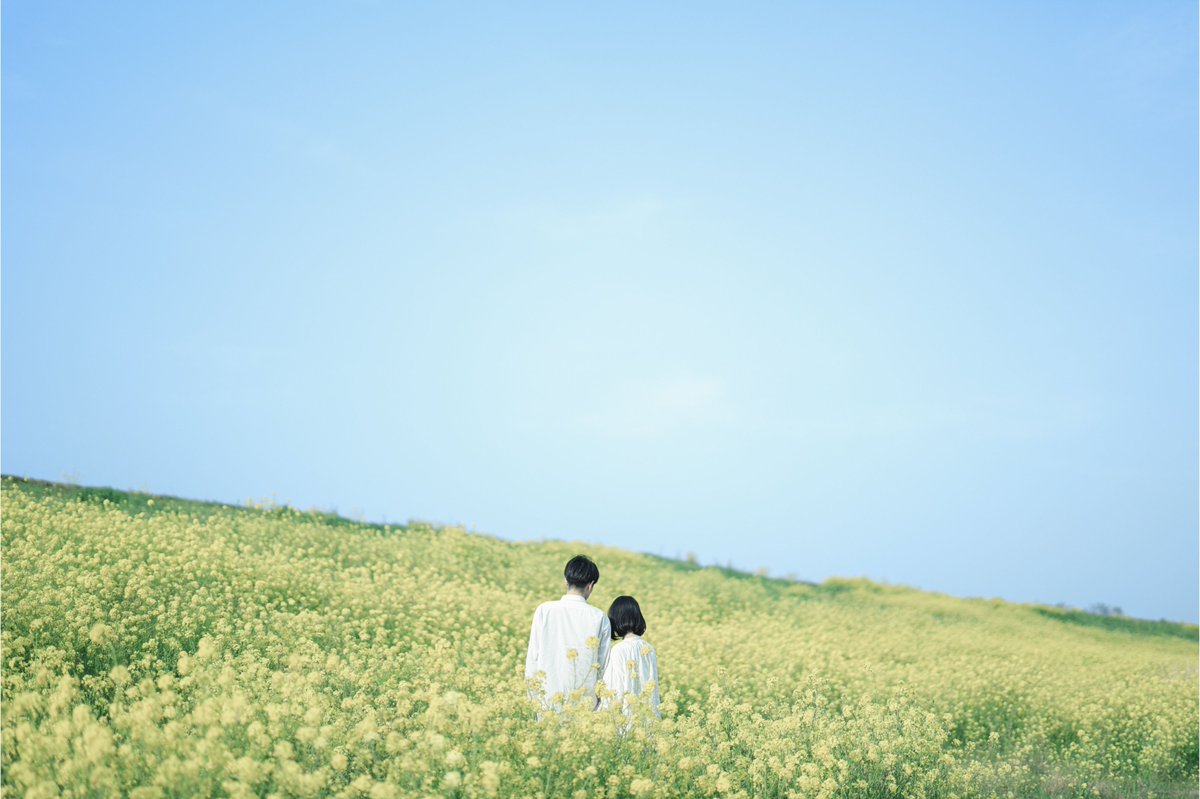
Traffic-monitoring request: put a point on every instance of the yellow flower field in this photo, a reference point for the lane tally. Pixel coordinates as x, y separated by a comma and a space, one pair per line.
154, 647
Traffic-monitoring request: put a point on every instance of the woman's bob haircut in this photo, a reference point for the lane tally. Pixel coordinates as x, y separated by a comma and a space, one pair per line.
625, 617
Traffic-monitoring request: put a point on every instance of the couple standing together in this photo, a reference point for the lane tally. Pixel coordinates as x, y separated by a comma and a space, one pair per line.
573, 646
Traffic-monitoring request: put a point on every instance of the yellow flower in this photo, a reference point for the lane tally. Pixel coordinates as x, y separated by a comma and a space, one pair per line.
383, 790
275, 654
640, 786
489, 777
572, 654
100, 633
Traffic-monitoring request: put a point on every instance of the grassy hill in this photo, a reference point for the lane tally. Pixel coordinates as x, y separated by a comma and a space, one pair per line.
158, 647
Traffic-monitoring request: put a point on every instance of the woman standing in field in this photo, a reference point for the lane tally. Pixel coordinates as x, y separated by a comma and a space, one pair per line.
632, 666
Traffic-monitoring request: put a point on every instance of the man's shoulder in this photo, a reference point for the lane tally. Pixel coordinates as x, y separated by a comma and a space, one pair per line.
596, 612
553, 606
571, 608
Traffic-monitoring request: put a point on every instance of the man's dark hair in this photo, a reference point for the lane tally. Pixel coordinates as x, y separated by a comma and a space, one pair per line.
625, 616
580, 571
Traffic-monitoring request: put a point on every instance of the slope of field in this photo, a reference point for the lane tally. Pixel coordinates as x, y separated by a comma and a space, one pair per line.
156, 647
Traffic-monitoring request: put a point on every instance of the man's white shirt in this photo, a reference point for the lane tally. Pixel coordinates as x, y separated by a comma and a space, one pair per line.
568, 643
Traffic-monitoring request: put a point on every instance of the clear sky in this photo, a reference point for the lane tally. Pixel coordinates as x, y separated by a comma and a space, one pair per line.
904, 291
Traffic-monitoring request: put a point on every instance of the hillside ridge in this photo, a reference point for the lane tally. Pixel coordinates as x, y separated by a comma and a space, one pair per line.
137, 502
155, 646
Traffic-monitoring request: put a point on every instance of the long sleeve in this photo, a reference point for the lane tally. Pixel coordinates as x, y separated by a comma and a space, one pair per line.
605, 644
655, 698
533, 653
616, 676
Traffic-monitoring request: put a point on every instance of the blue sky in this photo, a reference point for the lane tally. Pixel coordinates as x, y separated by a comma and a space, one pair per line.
901, 291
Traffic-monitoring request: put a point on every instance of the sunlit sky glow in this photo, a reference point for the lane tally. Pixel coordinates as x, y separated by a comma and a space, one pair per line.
906, 291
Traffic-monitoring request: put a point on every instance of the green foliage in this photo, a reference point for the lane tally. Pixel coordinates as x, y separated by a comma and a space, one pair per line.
1122, 624
159, 647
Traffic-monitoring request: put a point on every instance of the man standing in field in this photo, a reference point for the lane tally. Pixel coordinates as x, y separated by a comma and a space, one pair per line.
568, 642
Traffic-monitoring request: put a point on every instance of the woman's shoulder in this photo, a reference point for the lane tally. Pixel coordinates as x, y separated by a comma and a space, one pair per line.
634, 645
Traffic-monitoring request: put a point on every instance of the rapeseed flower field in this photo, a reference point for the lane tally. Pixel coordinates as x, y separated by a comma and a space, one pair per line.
155, 647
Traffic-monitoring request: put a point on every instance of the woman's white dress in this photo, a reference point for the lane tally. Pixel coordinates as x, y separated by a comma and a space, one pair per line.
632, 666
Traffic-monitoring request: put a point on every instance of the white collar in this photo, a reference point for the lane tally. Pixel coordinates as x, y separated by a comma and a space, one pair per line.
574, 596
